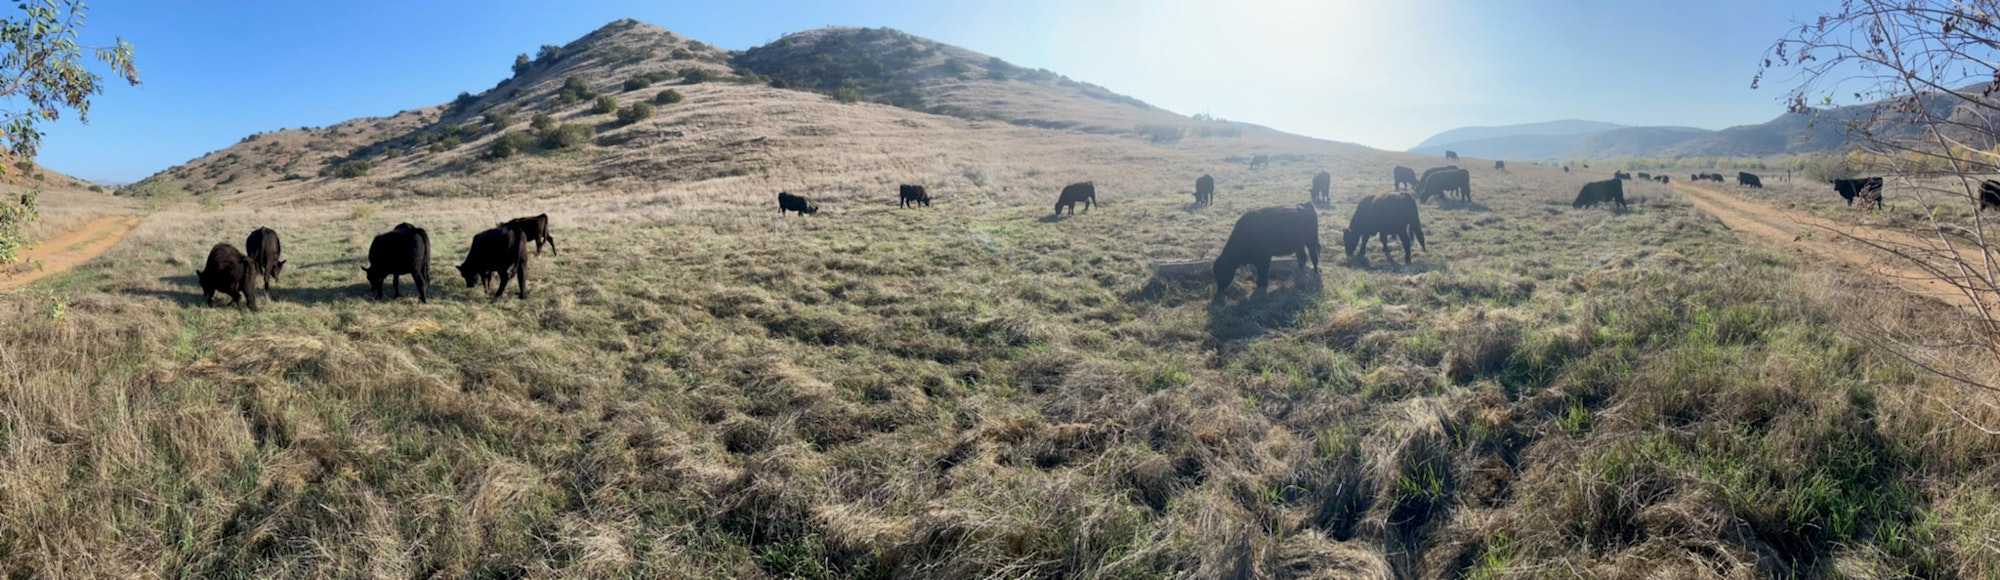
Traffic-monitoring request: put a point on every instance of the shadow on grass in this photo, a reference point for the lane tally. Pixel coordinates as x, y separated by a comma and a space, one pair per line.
1234, 319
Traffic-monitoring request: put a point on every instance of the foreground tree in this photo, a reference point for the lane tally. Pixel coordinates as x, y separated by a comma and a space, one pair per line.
1931, 68
41, 74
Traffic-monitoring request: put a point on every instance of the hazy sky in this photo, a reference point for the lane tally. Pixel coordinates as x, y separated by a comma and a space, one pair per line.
1385, 74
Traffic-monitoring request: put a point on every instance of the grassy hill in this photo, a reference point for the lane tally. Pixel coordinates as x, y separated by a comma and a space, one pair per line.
698, 387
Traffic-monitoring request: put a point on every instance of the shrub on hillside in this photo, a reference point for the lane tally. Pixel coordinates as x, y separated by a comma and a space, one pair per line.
510, 143
499, 119
354, 168
522, 64
574, 90
693, 75
548, 54
668, 97
634, 113
542, 123
1160, 133
638, 82
847, 95
605, 105
567, 136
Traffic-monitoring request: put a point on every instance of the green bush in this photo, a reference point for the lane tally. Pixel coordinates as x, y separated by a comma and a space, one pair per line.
354, 168
549, 53
682, 54
499, 119
634, 113
567, 136
638, 82
542, 123
780, 84
509, 143
693, 75
658, 76
847, 95
605, 105
574, 90
668, 97
522, 64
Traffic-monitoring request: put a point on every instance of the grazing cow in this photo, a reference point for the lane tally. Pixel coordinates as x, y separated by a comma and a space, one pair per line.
1586, 166
1643, 176
912, 195
1869, 189
1608, 191
1322, 187
1383, 216
1444, 183
1204, 190
1660, 178
1260, 161
1500, 165
503, 250
1565, 169
1621, 175
1451, 155
1405, 176
404, 250
1989, 194
230, 272
266, 253
1072, 194
798, 203
537, 230
1434, 171
1263, 233
1746, 178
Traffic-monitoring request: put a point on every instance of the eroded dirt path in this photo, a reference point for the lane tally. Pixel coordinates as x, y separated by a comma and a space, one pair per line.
74, 247
1784, 228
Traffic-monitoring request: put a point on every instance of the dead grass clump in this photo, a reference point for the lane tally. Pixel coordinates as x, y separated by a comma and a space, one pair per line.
1480, 343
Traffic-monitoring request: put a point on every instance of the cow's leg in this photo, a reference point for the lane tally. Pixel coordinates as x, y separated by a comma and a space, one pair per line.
1386, 254
521, 271
396, 283
423, 280
1263, 266
1312, 247
552, 246
506, 274
1406, 246
208, 295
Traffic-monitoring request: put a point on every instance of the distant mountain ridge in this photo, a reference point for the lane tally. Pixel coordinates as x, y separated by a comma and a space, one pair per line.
1787, 134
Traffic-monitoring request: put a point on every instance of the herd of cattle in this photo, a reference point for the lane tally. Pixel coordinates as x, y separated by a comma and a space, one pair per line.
1258, 235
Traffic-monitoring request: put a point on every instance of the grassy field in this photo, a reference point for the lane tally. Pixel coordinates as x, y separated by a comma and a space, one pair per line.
697, 387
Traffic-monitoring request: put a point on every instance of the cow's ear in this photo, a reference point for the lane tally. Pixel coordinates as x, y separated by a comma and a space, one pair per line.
282, 262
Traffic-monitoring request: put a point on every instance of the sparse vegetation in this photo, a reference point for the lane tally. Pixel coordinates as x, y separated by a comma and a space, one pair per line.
542, 122
510, 143
567, 136
498, 120
605, 105
1160, 133
638, 82
634, 113
667, 97
574, 90
352, 168
695, 75
522, 64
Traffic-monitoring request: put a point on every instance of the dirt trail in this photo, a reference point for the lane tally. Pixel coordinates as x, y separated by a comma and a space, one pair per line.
1783, 228
74, 247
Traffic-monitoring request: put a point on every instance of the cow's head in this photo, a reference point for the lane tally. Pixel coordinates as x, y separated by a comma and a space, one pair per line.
471, 277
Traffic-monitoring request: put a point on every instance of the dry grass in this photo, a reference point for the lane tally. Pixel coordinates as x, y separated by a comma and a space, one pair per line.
697, 387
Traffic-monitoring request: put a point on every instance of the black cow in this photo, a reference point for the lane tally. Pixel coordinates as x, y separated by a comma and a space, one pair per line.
503, 250
1745, 178
798, 203
266, 253
404, 250
1433, 171
1660, 178
1621, 175
1383, 216
1405, 176
1989, 194
1072, 194
1260, 161
537, 230
1565, 169
1263, 233
1500, 165
912, 195
1869, 189
1451, 155
230, 272
1608, 191
1643, 176
1204, 190
1443, 183
1322, 187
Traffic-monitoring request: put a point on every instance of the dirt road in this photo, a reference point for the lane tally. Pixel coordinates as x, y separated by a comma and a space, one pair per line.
74, 247
1783, 228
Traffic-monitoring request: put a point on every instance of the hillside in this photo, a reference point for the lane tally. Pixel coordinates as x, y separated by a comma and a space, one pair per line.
733, 119
1436, 144
696, 386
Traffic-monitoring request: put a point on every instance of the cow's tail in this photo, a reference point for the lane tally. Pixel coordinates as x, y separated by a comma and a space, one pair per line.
1417, 229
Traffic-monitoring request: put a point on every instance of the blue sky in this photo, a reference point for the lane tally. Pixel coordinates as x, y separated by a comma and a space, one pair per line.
1385, 74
